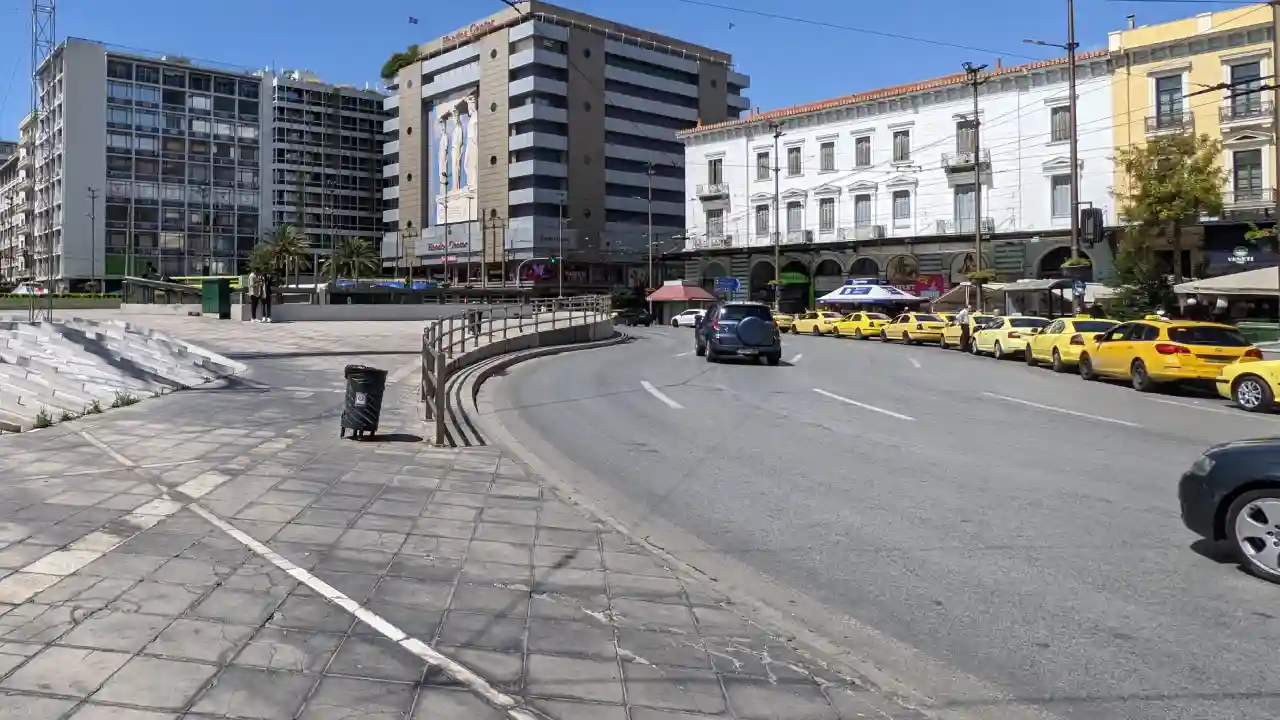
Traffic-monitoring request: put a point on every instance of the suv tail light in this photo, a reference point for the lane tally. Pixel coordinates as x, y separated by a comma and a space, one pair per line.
1077, 339
1014, 334
715, 325
1253, 353
1171, 349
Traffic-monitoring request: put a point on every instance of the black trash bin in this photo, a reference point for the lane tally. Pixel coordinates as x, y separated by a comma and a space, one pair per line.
363, 406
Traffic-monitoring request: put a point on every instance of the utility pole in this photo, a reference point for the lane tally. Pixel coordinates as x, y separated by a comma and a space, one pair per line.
975, 80
93, 240
1275, 127
776, 127
649, 233
1073, 152
560, 252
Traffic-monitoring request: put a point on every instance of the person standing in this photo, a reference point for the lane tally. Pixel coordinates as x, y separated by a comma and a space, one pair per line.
962, 319
268, 292
253, 287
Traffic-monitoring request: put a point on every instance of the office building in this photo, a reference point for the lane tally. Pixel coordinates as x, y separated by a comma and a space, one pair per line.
326, 166
145, 164
15, 207
7, 149
539, 128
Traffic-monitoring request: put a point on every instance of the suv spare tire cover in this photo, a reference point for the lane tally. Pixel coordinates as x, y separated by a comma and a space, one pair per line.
754, 331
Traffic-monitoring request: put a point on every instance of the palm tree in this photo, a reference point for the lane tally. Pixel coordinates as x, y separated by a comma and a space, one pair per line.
288, 248
351, 257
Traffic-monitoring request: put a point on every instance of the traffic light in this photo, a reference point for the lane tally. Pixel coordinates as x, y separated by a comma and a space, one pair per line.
555, 259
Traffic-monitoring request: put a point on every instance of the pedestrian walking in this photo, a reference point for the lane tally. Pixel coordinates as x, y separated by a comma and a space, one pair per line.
268, 292
962, 319
253, 287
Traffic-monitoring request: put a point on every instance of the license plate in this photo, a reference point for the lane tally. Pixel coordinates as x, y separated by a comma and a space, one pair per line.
1220, 359
748, 352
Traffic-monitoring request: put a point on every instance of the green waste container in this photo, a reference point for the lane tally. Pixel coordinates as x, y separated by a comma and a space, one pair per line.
215, 298
362, 406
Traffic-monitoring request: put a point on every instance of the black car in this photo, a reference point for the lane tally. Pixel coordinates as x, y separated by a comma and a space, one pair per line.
1232, 493
738, 329
633, 316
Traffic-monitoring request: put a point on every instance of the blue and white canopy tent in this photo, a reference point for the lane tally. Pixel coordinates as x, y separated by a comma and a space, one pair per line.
870, 295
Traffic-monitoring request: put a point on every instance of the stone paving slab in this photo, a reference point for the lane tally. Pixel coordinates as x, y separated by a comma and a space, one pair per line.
120, 597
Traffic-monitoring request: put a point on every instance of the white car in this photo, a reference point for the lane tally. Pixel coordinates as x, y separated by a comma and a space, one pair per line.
30, 288
688, 318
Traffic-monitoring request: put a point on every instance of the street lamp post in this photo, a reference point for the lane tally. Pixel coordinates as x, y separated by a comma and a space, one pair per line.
1074, 141
410, 233
93, 239
649, 231
560, 252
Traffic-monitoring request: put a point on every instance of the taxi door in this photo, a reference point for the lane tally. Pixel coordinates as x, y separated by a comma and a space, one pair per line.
1040, 345
893, 331
1114, 349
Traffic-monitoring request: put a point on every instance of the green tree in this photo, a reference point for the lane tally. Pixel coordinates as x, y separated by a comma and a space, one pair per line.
1167, 184
351, 258
262, 259
399, 61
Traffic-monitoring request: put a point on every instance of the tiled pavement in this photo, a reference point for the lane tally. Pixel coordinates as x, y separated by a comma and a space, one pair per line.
118, 603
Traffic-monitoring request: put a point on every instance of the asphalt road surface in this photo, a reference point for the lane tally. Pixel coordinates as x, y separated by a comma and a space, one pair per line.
1017, 526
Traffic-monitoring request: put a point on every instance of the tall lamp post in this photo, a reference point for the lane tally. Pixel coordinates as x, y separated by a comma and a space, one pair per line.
93, 240
327, 211
410, 233
560, 252
1074, 141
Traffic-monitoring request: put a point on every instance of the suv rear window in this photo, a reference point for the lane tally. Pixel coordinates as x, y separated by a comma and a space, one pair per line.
742, 312
1208, 335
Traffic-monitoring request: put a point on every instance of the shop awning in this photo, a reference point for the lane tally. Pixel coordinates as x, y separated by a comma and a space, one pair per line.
672, 292
1263, 281
870, 295
955, 297
1024, 286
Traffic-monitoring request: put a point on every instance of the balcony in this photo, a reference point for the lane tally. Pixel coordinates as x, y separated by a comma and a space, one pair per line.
964, 161
964, 226
1171, 122
1254, 111
713, 191
796, 237
862, 232
713, 240
1249, 205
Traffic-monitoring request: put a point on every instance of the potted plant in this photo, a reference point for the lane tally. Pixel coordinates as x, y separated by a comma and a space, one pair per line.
1077, 268
981, 277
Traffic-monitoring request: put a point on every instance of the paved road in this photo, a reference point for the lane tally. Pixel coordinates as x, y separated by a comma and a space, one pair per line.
1018, 526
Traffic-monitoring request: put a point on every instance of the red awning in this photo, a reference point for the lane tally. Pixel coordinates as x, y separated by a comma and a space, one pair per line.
681, 293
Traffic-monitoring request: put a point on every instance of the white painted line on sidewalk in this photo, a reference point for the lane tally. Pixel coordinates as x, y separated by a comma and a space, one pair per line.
864, 406
682, 354
648, 386
107, 449
313, 389
914, 362
1064, 411
796, 359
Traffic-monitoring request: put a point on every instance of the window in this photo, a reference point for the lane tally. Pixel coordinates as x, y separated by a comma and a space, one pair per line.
119, 91
119, 141
247, 132
119, 189
1208, 335
901, 205
862, 152
827, 157
199, 102
964, 208
145, 191
966, 136
1246, 83
762, 220
178, 123
148, 120
827, 214
1169, 100
222, 129
861, 210
901, 146
715, 171
1246, 174
148, 74
762, 166
199, 126
120, 70
795, 217
715, 223
1060, 196
795, 164
1059, 124
122, 116
741, 312
147, 166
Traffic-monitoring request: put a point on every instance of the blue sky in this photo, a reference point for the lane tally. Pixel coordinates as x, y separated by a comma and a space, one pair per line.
789, 62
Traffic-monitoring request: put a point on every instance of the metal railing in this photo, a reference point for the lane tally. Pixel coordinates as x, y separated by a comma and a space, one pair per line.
1251, 109
446, 342
1170, 122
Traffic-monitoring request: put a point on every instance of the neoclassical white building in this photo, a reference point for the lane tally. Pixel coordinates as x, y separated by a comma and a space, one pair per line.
883, 182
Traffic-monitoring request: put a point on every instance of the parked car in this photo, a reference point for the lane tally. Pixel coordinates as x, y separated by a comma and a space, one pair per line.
633, 316
739, 329
30, 288
1230, 494
688, 318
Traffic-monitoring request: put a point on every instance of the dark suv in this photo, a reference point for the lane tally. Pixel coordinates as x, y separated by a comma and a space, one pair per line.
738, 329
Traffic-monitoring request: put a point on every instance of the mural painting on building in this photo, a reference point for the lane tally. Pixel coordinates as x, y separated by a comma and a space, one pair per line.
964, 263
902, 271
457, 162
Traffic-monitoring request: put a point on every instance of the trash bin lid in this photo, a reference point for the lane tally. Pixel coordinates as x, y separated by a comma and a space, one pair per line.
353, 370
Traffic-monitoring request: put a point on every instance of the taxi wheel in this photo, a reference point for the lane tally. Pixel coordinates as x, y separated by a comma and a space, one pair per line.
1252, 393
1058, 365
1249, 524
1086, 368
942, 342
815, 331
857, 334
883, 337
906, 339
835, 331
1026, 355
1139, 377
973, 347
998, 352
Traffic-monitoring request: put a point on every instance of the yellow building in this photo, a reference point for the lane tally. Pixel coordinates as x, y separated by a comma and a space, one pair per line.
1160, 75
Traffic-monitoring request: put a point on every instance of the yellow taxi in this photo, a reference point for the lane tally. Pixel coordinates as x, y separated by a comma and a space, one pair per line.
913, 328
1060, 343
816, 323
951, 334
947, 317
1006, 336
784, 321
861, 325
1156, 350
1252, 386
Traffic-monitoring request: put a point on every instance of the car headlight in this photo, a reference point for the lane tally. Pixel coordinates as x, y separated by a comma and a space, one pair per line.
1202, 465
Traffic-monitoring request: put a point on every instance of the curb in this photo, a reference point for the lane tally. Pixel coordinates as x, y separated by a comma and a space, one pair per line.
471, 386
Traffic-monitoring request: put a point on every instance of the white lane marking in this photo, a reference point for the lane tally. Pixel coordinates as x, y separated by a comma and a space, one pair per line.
1064, 411
796, 359
648, 386
29, 581
1224, 411
914, 362
864, 406
682, 354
